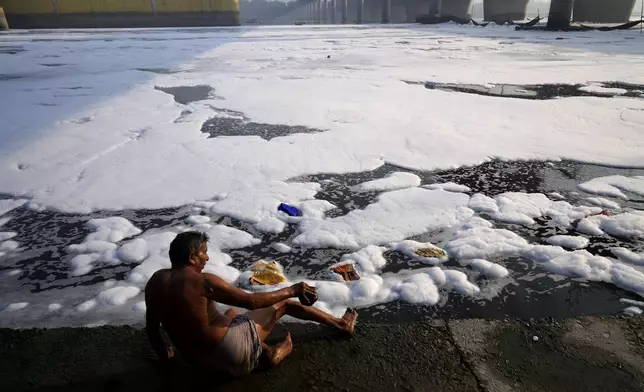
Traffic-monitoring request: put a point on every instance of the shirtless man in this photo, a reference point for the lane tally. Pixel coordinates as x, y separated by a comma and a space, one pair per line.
182, 300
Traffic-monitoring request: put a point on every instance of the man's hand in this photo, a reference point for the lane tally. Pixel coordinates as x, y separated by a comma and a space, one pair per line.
307, 295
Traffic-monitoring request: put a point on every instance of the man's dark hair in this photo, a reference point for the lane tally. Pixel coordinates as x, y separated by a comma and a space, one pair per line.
184, 245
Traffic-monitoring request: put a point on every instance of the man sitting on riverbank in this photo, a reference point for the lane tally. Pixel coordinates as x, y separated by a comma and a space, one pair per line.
182, 300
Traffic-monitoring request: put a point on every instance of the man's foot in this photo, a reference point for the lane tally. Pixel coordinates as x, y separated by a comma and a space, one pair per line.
349, 321
281, 350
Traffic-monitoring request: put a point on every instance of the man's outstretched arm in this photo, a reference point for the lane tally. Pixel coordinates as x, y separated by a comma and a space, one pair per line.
219, 291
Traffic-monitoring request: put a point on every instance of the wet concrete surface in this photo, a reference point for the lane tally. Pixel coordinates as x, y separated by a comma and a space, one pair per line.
538, 91
529, 292
585, 354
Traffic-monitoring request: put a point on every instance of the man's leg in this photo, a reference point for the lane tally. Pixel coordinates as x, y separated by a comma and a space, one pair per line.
266, 318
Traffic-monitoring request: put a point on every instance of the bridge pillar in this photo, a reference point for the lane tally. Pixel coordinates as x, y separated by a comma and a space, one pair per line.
343, 6
386, 11
332, 9
414, 8
598, 11
560, 14
435, 7
360, 11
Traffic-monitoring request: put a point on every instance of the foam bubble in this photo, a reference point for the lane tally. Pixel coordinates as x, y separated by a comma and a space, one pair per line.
628, 256
87, 305
487, 268
632, 311
270, 224
450, 187
133, 251
614, 185
7, 235
139, 307
393, 181
568, 241
197, 219
118, 295
14, 307
281, 247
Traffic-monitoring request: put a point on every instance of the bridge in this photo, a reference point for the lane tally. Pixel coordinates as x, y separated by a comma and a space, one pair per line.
401, 11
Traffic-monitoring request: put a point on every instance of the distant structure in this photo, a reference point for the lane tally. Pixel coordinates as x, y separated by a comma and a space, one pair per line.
560, 14
603, 11
504, 10
34, 14
457, 8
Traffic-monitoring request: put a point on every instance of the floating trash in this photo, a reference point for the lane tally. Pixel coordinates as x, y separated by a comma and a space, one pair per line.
347, 272
289, 210
266, 274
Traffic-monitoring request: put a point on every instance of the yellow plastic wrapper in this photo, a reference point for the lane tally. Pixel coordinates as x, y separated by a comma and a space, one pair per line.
266, 274
431, 252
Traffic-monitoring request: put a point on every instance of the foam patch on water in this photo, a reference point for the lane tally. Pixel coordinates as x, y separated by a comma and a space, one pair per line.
450, 186
197, 219
598, 88
7, 235
603, 202
14, 307
582, 264
100, 246
614, 186
118, 295
626, 225
628, 256
523, 208
487, 268
632, 311
393, 181
252, 204
6, 205
395, 216
9, 246
281, 247
478, 240
568, 241
133, 251
225, 237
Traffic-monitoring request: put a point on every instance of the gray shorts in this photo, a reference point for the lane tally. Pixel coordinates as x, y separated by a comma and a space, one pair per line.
239, 350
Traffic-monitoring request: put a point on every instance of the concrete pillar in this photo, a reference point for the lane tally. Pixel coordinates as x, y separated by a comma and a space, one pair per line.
4, 25
374, 11
435, 7
504, 10
457, 8
343, 5
416, 8
332, 9
321, 7
600, 11
360, 12
560, 14
386, 11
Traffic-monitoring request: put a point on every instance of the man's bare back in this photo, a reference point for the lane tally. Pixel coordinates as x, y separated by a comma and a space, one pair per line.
182, 300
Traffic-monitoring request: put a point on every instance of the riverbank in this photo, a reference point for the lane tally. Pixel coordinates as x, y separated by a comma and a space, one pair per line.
589, 354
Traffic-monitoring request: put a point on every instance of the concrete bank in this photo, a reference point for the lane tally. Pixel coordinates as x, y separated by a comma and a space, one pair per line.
583, 354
